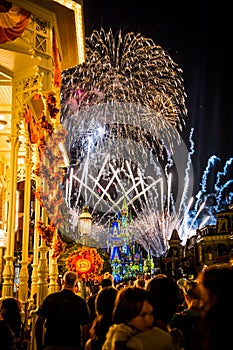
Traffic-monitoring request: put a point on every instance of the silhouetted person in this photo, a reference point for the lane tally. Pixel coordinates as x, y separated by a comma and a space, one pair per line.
65, 316
188, 319
166, 298
106, 282
140, 283
104, 304
216, 287
10, 323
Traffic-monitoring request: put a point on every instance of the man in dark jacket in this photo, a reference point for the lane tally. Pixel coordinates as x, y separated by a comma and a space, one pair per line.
66, 318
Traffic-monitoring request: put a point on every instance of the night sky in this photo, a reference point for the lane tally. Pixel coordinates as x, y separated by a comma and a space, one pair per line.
198, 37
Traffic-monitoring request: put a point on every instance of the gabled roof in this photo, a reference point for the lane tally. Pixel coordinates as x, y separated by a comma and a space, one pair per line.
175, 236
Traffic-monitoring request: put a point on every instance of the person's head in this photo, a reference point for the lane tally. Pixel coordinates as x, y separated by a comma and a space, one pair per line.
9, 307
11, 313
140, 283
106, 282
216, 284
165, 296
192, 295
104, 304
69, 280
147, 276
133, 307
120, 285
139, 277
108, 275
95, 287
105, 299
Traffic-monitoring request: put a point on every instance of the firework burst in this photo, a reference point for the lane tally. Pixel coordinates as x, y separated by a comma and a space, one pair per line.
129, 69
124, 109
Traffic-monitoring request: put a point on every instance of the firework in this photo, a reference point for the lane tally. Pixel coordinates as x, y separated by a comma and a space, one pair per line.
124, 109
128, 69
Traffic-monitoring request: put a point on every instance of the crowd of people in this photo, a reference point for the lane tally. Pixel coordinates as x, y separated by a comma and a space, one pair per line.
158, 313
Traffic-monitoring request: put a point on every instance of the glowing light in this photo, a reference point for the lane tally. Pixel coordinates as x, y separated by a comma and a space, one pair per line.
204, 222
2, 124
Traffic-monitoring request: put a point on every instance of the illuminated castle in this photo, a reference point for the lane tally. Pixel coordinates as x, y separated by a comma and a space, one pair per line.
125, 254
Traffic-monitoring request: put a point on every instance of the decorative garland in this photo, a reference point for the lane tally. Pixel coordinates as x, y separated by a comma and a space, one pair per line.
58, 247
86, 262
46, 232
52, 104
48, 142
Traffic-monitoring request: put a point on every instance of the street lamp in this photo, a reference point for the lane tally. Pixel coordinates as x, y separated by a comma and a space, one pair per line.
3, 243
84, 229
84, 224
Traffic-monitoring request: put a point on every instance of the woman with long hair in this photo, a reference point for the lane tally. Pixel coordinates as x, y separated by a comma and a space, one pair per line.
104, 304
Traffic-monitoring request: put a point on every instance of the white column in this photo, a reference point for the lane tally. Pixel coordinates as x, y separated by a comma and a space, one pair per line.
34, 286
23, 286
53, 268
8, 272
43, 268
